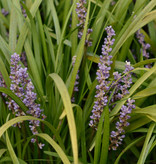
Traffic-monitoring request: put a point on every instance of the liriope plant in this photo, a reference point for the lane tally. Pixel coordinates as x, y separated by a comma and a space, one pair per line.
87, 96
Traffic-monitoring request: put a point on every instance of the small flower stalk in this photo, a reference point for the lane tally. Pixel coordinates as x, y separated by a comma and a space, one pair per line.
145, 46
23, 11
22, 86
76, 89
122, 83
2, 84
82, 13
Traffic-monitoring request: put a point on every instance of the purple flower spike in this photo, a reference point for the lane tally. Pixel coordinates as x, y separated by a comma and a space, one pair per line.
117, 88
145, 46
102, 77
81, 13
117, 136
22, 86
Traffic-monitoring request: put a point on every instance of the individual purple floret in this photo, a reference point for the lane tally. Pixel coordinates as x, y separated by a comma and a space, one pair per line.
102, 77
117, 136
76, 89
41, 145
113, 3
82, 12
22, 86
4, 12
145, 46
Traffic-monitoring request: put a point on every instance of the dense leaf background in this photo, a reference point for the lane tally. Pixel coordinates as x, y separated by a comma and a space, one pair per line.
48, 38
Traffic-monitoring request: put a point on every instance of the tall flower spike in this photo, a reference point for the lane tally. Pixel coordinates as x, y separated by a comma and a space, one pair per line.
82, 12
18, 81
22, 86
145, 46
117, 136
102, 77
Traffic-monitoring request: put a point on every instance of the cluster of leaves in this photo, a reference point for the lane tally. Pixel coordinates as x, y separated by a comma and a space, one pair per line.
46, 33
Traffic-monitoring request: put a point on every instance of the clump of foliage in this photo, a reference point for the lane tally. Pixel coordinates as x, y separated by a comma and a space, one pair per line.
77, 81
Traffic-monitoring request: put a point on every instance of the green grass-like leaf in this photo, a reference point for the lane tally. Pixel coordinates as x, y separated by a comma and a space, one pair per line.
127, 148
141, 158
55, 146
68, 108
11, 151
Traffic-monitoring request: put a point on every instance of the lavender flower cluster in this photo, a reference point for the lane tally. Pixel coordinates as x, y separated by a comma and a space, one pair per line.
104, 89
22, 86
117, 136
82, 12
76, 89
145, 46
18, 80
102, 77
